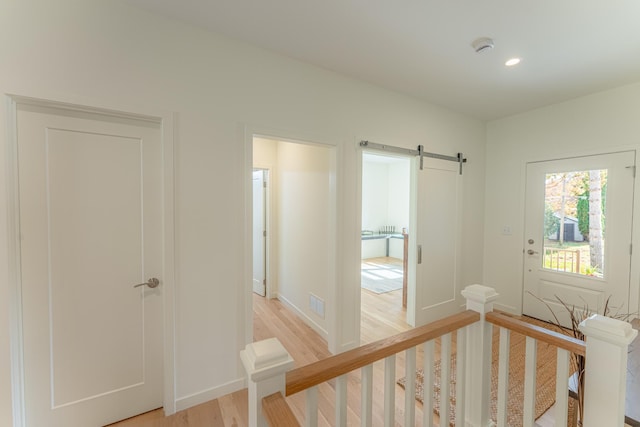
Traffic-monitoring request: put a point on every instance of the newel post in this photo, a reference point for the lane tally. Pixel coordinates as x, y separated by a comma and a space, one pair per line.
478, 382
266, 363
605, 384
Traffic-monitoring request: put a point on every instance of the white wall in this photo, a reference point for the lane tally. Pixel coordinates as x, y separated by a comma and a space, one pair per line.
602, 122
385, 202
375, 190
110, 54
398, 207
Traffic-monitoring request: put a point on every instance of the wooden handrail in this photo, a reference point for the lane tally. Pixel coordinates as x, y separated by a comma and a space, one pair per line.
324, 370
548, 336
277, 412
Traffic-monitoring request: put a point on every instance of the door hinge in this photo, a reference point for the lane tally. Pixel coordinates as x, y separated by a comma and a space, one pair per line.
633, 170
264, 233
630, 248
264, 184
264, 282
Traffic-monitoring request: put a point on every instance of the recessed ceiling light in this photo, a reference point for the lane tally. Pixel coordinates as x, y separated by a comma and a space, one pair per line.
511, 62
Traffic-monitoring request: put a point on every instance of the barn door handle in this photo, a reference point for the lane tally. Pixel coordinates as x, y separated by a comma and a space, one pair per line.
152, 283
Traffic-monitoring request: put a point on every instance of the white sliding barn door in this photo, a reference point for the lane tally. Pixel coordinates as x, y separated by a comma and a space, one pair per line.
90, 200
434, 257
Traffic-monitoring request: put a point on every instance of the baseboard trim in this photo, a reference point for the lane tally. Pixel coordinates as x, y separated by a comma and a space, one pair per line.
308, 320
347, 346
508, 308
209, 394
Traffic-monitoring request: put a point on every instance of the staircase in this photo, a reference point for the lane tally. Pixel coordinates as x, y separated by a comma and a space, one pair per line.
327, 387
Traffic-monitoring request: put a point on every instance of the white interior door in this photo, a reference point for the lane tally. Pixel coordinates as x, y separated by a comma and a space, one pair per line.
559, 261
433, 260
259, 230
91, 228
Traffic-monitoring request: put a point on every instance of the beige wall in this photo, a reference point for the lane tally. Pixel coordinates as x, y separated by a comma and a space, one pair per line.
305, 262
300, 223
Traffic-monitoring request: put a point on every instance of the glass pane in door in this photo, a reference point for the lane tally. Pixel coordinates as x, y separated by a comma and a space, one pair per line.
574, 222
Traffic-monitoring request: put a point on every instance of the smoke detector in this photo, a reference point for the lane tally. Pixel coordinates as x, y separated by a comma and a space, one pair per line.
482, 44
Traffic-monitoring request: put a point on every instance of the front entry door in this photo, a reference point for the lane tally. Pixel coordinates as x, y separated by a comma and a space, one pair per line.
435, 254
90, 200
593, 198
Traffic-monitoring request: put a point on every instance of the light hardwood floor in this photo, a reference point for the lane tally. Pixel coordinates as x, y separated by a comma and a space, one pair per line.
382, 315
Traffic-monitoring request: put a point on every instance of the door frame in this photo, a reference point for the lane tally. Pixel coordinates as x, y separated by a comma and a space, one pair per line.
634, 291
165, 121
411, 270
334, 305
530, 170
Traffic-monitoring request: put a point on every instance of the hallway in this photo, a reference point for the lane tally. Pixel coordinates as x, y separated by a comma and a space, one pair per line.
382, 316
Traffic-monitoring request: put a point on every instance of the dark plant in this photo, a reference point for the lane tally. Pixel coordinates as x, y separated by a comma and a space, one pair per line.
576, 316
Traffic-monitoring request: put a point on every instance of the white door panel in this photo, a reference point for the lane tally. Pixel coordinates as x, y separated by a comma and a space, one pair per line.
552, 273
437, 224
90, 224
259, 239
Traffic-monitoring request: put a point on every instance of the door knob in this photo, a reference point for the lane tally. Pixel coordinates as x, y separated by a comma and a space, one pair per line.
152, 283
532, 252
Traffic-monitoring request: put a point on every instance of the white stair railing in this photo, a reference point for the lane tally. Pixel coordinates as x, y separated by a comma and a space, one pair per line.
533, 334
606, 370
606, 350
266, 363
479, 338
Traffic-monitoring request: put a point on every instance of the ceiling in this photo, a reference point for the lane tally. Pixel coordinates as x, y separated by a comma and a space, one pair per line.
569, 48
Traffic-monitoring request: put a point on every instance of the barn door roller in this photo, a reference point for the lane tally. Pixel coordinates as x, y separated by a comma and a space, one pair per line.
459, 158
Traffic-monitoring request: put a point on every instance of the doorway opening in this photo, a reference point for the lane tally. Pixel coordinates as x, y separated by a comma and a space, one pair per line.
293, 231
386, 201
